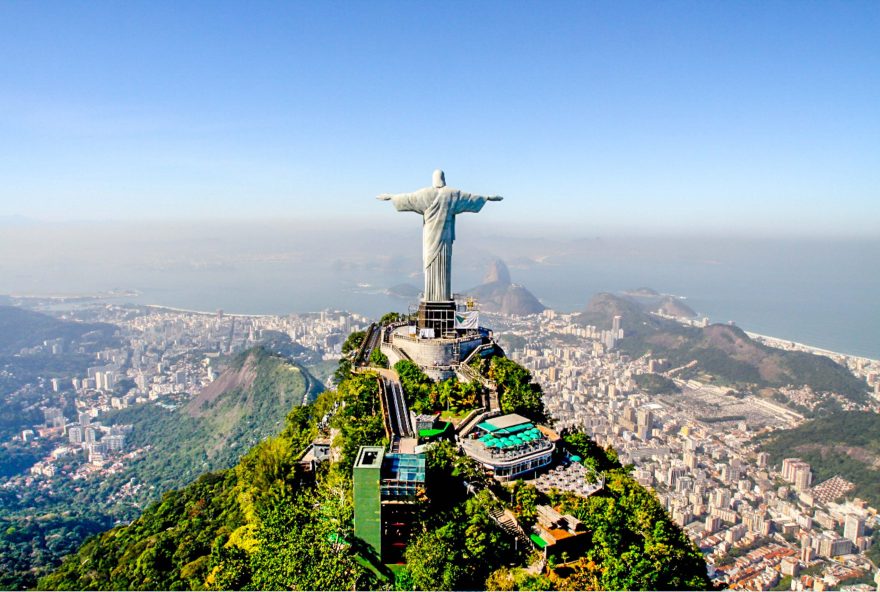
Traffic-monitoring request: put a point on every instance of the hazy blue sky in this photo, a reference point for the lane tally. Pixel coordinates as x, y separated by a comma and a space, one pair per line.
752, 117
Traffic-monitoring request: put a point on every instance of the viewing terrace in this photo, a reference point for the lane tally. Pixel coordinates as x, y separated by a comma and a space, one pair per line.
509, 446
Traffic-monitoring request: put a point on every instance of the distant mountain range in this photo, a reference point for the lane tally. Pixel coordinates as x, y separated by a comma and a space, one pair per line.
723, 352
21, 328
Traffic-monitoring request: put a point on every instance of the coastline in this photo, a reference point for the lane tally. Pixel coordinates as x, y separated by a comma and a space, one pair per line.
208, 313
778, 341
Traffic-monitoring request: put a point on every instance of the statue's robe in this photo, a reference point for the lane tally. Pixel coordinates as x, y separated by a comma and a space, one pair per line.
438, 206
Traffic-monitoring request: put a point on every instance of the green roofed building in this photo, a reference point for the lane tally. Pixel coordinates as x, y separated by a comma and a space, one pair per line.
509, 446
367, 500
387, 487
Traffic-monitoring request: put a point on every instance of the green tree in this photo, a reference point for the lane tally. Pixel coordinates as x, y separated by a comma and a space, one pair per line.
353, 342
231, 567
593, 455
501, 579
517, 393
377, 358
525, 502
432, 561
390, 317
419, 390
298, 550
343, 371
484, 543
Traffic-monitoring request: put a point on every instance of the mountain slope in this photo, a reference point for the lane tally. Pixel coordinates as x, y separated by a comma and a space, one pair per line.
265, 524
723, 351
846, 444
247, 403
244, 405
498, 294
676, 308
262, 523
20, 328
634, 320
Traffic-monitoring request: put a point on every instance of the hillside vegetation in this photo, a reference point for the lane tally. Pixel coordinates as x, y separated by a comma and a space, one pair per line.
264, 524
723, 352
261, 524
247, 403
21, 328
845, 444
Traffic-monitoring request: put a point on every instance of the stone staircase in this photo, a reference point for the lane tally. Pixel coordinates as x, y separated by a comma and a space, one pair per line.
507, 522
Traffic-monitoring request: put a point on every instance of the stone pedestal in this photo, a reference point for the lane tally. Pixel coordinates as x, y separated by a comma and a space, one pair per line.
438, 357
439, 316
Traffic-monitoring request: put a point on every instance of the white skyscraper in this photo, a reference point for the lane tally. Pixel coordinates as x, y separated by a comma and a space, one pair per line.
854, 527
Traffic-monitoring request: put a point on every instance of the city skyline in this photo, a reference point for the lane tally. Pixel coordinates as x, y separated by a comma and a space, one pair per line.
750, 119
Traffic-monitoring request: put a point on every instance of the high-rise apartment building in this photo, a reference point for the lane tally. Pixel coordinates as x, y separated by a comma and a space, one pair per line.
853, 527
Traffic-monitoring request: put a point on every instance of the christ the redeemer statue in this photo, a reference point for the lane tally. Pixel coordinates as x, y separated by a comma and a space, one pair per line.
439, 205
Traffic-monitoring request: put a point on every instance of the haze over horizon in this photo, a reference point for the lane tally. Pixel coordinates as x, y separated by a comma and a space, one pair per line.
742, 120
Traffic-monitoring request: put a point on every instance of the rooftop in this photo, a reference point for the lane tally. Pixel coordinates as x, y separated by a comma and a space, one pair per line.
403, 477
404, 467
369, 457
505, 453
511, 438
506, 421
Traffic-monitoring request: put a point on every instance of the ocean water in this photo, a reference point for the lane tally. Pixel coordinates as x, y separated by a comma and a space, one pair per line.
822, 293
826, 297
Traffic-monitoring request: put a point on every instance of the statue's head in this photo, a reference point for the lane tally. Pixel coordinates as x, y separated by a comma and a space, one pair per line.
439, 179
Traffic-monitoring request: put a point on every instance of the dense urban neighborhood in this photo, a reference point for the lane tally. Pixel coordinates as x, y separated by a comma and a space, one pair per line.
762, 518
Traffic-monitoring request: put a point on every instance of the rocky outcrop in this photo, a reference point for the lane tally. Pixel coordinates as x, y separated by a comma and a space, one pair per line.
498, 294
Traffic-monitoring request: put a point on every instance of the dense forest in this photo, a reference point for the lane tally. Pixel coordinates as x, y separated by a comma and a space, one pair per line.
266, 524
656, 384
845, 444
38, 527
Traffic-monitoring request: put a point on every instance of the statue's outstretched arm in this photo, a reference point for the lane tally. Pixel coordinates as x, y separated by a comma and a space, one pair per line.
469, 202
408, 202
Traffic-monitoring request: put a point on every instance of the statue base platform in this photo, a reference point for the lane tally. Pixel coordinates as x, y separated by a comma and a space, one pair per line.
439, 317
438, 357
